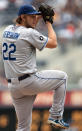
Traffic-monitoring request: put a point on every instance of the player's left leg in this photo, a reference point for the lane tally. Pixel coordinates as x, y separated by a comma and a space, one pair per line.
23, 107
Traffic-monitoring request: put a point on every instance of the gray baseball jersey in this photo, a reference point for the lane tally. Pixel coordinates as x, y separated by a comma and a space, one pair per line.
19, 50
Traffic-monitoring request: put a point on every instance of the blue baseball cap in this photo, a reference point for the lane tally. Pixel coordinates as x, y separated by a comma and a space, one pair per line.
28, 9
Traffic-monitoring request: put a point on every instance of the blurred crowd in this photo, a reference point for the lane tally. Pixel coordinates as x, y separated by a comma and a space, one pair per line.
68, 20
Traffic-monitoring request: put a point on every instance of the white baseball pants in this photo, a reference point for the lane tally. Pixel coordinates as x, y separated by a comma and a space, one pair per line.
24, 93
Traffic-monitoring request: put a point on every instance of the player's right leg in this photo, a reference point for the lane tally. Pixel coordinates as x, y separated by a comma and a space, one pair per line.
57, 109
58, 123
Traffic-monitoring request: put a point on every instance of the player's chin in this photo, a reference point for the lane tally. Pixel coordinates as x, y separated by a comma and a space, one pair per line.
33, 26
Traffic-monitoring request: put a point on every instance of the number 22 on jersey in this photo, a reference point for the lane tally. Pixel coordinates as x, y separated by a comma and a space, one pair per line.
10, 50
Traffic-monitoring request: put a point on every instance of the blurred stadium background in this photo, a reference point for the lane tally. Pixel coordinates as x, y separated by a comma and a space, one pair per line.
67, 57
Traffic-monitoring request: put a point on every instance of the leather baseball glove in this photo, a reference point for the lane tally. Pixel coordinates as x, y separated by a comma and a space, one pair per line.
47, 12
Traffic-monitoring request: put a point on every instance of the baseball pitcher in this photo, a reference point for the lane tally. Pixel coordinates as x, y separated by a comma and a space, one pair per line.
19, 45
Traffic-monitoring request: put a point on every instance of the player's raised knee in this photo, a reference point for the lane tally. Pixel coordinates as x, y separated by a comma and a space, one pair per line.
65, 75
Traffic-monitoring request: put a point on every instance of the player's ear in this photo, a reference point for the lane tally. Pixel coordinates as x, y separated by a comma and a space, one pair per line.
23, 17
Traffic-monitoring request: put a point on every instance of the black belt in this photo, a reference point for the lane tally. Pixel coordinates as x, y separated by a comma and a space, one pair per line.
20, 78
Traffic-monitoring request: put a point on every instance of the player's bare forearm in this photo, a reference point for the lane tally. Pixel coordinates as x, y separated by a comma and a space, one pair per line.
52, 39
51, 32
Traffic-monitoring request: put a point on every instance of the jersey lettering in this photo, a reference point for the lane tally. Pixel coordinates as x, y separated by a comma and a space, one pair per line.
8, 34
12, 51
